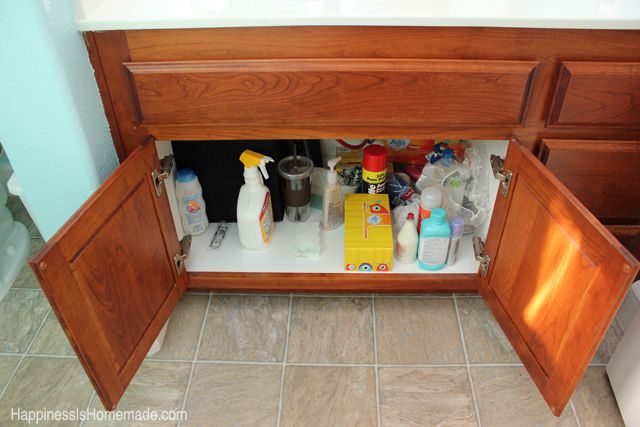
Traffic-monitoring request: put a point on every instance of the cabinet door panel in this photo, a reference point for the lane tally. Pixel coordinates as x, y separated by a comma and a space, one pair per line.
597, 94
603, 175
556, 276
332, 92
109, 274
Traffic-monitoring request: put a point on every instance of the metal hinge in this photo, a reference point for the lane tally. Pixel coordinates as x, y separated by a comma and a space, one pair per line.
503, 175
159, 175
481, 257
180, 258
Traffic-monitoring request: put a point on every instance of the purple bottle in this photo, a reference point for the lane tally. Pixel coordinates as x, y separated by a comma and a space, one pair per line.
457, 228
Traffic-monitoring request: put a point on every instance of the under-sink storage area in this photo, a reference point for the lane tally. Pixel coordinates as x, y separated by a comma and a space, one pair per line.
280, 256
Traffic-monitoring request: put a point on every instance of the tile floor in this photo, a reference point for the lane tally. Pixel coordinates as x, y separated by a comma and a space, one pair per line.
304, 360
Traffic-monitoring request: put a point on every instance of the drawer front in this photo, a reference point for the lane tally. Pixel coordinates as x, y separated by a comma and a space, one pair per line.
597, 94
332, 92
604, 175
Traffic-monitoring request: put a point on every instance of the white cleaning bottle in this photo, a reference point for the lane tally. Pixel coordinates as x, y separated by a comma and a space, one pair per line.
332, 204
254, 210
407, 244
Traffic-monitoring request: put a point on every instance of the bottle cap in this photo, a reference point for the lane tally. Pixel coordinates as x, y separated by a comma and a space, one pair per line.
410, 216
431, 197
438, 215
185, 175
375, 158
457, 227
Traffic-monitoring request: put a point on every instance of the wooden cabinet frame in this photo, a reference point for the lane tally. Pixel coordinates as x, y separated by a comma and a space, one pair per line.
110, 275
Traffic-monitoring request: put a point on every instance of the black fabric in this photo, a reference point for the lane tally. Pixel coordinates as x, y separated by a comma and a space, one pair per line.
219, 170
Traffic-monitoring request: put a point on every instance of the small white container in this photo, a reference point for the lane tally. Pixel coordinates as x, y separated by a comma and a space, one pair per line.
407, 243
430, 198
332, 203
193, 211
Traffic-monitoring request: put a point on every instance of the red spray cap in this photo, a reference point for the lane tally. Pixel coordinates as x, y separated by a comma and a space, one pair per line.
375, 158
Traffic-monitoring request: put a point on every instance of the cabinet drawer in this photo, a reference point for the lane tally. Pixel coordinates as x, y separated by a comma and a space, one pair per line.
604, 175
598, 94
331, 92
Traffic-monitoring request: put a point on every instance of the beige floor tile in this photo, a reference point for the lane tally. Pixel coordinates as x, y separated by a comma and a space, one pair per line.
158, 386
609, 343
184, 328
594, 400
331, 330
249, 328
329, 396
52, 383
234, 395
507, 397
426, 397
7, 365
417, 331
26, 278
485, 341
21, 313
51, 339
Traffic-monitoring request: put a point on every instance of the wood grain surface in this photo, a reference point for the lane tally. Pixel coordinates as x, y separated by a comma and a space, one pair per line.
597, 94
556, 276
603, 175
108, 274
349, 92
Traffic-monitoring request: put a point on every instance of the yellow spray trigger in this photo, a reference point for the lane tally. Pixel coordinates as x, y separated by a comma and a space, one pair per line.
251, 159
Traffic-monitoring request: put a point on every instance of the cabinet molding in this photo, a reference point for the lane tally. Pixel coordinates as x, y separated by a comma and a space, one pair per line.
597, 94
603, 175
332, 92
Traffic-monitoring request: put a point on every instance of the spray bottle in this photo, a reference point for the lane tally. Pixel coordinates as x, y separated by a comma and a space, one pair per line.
254, 211
332, 205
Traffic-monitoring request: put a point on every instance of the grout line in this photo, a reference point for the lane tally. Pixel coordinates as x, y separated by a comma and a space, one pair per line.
250, 294
620, 325
195, 356
575, 413
284, 360
52, 356
466, 360
20, 289
91, 399
375, 357
13, 374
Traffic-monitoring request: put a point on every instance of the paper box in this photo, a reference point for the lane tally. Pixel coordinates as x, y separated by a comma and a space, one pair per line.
368, 240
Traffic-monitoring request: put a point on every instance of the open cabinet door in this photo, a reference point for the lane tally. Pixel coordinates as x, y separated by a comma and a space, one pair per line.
554, 275
110, 274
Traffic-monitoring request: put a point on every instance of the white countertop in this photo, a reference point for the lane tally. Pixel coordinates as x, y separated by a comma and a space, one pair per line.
148, 14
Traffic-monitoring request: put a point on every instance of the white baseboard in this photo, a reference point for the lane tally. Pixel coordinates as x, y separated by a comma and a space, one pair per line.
630, 306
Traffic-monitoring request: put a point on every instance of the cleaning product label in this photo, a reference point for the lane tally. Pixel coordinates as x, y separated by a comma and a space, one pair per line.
266, 219
193, 212
433, 250
374, 177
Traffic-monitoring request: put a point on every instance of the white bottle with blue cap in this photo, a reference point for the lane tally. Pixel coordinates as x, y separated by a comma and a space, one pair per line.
193, 210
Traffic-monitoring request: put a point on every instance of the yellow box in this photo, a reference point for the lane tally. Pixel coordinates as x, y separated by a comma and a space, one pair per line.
368, 239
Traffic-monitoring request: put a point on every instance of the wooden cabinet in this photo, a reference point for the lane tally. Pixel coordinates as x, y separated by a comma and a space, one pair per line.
597, 94
331, 92
551, 273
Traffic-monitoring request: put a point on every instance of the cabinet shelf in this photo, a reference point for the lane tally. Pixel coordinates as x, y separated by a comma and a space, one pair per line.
280, 256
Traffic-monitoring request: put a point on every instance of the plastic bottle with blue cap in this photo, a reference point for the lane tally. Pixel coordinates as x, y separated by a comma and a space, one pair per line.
193, 210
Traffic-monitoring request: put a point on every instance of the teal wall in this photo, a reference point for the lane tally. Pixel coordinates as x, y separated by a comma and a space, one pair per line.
52, 123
